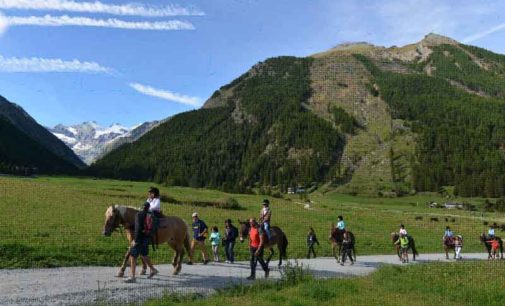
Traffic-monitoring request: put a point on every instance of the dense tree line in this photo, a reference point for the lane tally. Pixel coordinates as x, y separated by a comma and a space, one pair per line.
462, 135
21, 155
264, 136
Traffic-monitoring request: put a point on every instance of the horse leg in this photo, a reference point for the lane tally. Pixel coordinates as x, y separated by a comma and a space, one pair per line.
339, 252
175, 262
270, 256
280, 254
446, 252
120, 273
354, 253
179, 263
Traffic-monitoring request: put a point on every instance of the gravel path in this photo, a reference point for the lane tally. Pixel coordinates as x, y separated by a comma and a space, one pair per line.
92, 285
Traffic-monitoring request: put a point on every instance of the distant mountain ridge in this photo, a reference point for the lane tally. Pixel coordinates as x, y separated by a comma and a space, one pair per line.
358, 118
90, 141
21, 120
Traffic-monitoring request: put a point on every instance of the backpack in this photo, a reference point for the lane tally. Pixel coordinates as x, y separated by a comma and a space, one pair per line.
148, 225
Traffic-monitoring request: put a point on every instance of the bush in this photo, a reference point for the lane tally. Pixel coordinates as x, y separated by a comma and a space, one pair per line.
228, 203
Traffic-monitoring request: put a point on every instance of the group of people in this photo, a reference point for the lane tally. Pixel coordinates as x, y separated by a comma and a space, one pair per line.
146, 223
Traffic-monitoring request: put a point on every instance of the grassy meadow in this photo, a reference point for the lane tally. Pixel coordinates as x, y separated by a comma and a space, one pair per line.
455, 283
58, 221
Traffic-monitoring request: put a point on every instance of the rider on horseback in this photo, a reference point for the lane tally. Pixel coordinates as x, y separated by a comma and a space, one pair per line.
153, 198
448, 237
341, 224
265, 216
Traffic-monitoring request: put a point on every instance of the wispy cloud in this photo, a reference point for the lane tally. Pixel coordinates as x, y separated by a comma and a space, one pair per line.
482, 34
58, 21
129, 9
37, 64
3, 24
166, 94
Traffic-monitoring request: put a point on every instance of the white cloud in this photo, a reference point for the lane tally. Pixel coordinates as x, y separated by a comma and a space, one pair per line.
3, 24
129, 9
482, 34
166, 94
58, 21
37, 64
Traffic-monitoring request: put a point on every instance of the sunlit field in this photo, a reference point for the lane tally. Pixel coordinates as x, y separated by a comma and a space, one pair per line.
58, 221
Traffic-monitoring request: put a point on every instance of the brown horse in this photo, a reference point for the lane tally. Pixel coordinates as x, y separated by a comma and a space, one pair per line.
412, 245
337, 238
172, 230
484, 239
278, 238
448, 244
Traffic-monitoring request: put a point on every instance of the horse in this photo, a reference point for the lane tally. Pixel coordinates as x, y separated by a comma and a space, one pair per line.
172, 230
278, 238
412, 245
448, 244
337, 238
484, 239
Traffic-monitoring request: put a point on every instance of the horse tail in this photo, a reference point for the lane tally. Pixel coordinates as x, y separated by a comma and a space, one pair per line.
187, 245
284, 247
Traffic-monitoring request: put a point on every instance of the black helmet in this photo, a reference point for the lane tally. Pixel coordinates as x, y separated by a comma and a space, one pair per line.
266, 202
154, 191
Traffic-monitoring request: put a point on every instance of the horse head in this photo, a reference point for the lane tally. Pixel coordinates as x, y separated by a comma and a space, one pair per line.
244, 230
394, 236
112, 220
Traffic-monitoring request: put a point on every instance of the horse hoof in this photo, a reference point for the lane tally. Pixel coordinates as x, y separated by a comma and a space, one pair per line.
143, 272
120, 274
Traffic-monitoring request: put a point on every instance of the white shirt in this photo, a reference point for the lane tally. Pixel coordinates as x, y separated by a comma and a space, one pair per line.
403, 231
155, 204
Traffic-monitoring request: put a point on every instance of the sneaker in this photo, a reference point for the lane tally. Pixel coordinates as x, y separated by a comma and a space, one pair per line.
189, 263
341, 263
267, 272
153, 273
205, 262
227, 261
252, 277
130, 280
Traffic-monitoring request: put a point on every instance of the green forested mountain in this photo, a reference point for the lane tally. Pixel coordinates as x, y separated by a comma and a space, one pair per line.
358, 118
19, 118
21, 154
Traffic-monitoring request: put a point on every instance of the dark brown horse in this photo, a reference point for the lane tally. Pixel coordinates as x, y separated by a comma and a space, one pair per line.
278, 238
412, 245
448, 244
337, 238
484, 239
172, 230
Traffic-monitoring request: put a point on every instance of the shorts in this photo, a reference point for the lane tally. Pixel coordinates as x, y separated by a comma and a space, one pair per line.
404, 249
140, 249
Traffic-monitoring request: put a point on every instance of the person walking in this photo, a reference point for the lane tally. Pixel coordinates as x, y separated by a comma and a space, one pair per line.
140, 244
311, 240
256, 249
230, 235
346, 249
403, 241
215, 240
458, 245
200, 232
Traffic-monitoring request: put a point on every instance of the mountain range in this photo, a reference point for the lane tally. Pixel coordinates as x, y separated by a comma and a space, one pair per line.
90, 141
25, 144
357, 118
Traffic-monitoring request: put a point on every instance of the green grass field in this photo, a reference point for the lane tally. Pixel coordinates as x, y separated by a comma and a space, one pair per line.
460, 283
58, 221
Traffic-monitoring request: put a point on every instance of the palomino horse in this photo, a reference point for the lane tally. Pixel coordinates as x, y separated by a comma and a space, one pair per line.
412, 245
277, 238
484, 239
172, 230
337, 238
448, 244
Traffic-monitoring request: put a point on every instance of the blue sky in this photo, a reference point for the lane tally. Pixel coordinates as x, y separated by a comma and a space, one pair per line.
130, 62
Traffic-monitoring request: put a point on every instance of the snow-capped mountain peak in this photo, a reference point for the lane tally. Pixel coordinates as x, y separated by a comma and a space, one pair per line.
89, 140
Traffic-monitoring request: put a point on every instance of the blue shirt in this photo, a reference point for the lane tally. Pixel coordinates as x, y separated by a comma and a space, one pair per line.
198, 227
448, 233
490, 232
341, 225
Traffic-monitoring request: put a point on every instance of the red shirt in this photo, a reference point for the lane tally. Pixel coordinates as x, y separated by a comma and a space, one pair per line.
254, 237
